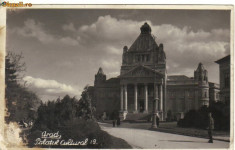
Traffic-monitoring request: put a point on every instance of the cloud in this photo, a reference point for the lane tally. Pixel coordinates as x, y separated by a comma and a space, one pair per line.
69, 41
110, 29
100, 44
50, 88
33, 29
113, 50
69, 27
111, 64
113, 74
184, 47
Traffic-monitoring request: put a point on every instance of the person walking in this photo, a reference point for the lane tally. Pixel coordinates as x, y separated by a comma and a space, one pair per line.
210, 127
157, 120
118, 121
114, 122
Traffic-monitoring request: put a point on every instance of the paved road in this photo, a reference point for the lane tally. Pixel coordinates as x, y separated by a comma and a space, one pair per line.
139, 138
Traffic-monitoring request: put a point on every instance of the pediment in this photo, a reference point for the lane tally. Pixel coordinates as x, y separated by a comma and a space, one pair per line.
142, 71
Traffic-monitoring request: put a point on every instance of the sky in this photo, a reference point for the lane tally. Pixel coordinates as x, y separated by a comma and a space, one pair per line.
63, 49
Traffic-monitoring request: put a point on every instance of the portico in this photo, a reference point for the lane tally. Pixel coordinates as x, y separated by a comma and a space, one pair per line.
147, 93
139, 88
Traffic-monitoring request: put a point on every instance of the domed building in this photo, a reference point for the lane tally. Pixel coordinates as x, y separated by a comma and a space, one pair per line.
143, 78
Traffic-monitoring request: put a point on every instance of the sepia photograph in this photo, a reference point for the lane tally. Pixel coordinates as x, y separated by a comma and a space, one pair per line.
123, 78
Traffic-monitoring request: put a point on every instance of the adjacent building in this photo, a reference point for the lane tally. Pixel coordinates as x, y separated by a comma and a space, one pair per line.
143, 79
224, 69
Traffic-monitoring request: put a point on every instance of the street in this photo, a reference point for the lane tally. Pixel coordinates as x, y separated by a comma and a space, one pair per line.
140, 138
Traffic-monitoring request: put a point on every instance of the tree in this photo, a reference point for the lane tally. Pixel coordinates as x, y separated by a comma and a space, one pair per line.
85, 108
20, 102
14, 68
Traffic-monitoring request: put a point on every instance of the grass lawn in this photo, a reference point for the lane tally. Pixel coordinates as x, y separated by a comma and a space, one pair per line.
77, 130
118, 143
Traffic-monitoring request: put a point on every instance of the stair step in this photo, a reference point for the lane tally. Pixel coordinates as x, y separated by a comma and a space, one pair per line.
138, 116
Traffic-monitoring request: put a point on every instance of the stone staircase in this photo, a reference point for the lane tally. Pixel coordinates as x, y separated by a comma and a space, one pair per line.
138, 117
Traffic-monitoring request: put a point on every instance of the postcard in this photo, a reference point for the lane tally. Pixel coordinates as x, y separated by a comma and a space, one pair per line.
116, 76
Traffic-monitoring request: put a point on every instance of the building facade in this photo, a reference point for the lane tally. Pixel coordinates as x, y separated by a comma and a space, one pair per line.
224, 69
143, 84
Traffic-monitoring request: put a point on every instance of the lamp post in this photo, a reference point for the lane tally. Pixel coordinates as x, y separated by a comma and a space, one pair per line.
154, 115
155, 102
155, 94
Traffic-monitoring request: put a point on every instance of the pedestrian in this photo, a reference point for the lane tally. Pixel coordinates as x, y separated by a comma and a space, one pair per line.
210, 127
114, 122
118, 121
157, 120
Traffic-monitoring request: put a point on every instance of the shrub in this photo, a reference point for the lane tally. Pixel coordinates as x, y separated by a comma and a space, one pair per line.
221, 114
199, 118
74, 120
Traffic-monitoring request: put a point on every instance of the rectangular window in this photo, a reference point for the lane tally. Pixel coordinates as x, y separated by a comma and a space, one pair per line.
148, 58
139, 91
181, 94
226, 80
137, 58
217, 95
190, 94
142, 58
172, 94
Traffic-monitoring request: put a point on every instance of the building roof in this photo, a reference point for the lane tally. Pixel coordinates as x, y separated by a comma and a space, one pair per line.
111, 83
224, 59
214, 85
112, 80
178, 77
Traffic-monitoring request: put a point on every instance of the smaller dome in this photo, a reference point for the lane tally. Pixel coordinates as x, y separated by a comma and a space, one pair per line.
100, 71
200, 67
145, 29
125, 48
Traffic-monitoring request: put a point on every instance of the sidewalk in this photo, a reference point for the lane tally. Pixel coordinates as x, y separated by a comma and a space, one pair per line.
193, 132
171, 127
147, 139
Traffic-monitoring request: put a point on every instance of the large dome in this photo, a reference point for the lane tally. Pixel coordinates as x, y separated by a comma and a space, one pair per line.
145, 41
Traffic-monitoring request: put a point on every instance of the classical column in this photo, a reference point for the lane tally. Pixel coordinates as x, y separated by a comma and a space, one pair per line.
160, 98
161, 102
164, 99
155, 106
125, 95
146, 98
135, 98
121, 103
157, 97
